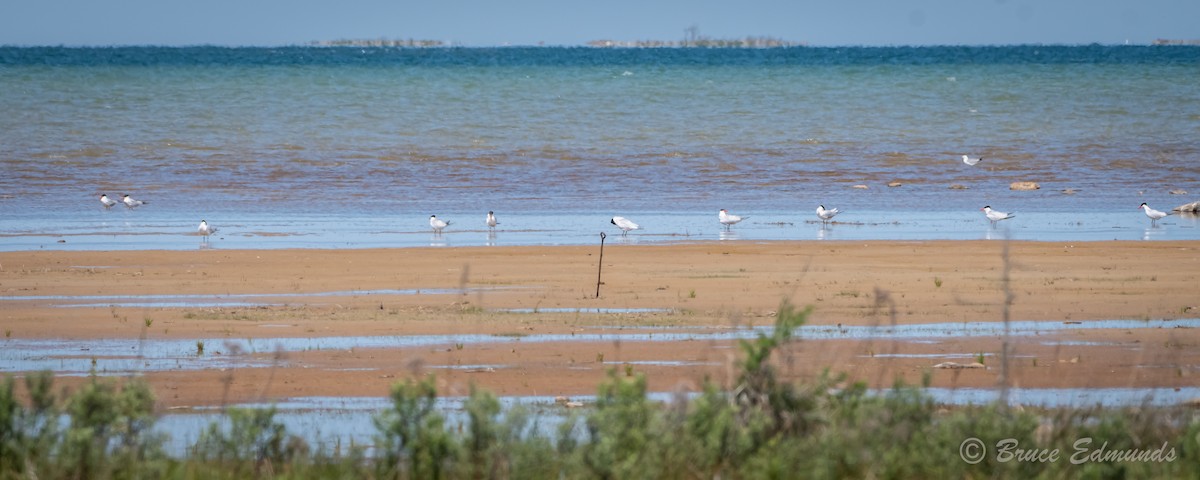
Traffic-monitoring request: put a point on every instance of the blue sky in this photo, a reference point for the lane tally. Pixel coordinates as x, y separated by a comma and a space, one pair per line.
569, 22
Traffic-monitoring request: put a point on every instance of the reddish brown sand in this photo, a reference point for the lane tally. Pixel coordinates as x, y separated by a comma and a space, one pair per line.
703, 285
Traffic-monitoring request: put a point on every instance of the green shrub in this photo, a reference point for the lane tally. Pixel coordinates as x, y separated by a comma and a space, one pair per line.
621, 430
413, 441
253, 444
101, 431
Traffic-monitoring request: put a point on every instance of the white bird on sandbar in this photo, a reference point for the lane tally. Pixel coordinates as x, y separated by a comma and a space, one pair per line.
491, 220
131, 203
624, 224
437, 224
728, 219
1152, 213
971, 160
205, 229
826, 215
107, 202
995, 216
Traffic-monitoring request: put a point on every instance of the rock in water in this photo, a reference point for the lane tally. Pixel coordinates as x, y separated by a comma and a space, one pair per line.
1188, 207
1024, 186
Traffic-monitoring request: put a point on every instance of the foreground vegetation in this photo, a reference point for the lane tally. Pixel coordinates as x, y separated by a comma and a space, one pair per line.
763, 428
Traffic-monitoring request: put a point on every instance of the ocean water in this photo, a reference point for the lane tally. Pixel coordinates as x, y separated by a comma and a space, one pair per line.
355, 147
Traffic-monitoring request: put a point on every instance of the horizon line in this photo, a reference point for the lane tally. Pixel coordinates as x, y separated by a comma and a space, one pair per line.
319, 44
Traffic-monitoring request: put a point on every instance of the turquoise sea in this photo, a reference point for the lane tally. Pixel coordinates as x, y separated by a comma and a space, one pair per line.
338, 147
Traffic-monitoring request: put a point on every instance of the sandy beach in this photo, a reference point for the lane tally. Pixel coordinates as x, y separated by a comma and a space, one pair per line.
515, 293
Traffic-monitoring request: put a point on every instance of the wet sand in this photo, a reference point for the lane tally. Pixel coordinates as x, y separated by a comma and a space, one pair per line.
704, 287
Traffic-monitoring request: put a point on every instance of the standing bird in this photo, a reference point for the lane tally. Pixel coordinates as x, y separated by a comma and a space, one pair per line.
1152, 213
205, 230
971, 160
995, 216
107, 202
131, 203
491, 220
826, 215
727, 219
624, 224
437, 224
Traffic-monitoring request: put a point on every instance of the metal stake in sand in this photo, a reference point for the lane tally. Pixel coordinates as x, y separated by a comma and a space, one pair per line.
600, 267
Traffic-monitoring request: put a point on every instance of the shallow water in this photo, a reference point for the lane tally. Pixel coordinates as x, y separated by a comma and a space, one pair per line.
598, 311
937, 355
356, 147
329, 422
208, 301
570, 228
1068, 397
123, 356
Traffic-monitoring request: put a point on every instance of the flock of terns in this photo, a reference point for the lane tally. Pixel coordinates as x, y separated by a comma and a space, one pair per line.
996, 216
626, 225
438, 225
723, 217
204, 229
126, 199
826, 214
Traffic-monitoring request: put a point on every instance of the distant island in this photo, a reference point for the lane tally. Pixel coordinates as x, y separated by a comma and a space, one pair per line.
1164, 41
379, 42
748, 42
691, 39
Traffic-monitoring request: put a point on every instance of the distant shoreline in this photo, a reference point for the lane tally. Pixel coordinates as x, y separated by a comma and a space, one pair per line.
748, 42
